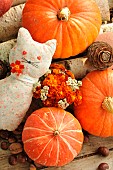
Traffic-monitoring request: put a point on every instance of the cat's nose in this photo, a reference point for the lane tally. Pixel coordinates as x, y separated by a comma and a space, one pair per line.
29, 62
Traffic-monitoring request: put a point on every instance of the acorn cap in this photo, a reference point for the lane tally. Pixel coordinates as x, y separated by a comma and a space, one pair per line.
100, 55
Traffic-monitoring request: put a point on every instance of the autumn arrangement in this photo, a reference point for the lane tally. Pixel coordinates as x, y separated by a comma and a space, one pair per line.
51, 135
58, 88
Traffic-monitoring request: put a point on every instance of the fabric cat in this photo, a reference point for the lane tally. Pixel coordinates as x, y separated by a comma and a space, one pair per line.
29, 60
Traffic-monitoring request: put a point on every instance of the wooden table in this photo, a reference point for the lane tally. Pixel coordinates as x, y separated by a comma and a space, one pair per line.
88, 159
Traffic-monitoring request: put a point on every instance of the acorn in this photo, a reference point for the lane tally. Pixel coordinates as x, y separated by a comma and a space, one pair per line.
4, 69
100, 55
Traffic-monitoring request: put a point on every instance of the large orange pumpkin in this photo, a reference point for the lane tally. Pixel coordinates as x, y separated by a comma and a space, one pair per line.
75, 24
52, 136
96, 111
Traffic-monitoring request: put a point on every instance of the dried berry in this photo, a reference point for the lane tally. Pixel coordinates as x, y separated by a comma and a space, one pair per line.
100, 55
104, 151
103, 166
12, 160
15, 148
4, 145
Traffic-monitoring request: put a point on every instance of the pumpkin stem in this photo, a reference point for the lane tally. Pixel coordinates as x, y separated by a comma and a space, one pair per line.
108, 104
64, 14
56, 132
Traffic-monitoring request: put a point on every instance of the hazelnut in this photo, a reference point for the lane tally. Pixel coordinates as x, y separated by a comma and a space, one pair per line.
12, 160
4, 145
21, 158
86, 138
103, 166
29, 160
15, 148
12, 139
4, 134
20, 127
32, 167
16, 132
38, 165
104, 151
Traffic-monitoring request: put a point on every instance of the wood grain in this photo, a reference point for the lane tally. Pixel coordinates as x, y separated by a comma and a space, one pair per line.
17, 2
104, 9
88, 159
10, 23
87, 163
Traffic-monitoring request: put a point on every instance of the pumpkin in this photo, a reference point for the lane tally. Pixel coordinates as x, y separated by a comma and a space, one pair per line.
95, 114
52, 136
75, 24
5, 6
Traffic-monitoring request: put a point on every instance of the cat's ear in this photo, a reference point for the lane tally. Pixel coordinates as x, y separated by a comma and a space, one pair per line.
51, 45
23, 36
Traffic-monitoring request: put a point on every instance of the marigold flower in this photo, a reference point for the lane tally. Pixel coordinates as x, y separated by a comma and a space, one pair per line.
17, 67
61, 88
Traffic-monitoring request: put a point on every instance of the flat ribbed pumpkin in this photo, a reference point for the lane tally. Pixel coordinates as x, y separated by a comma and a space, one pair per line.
95, 114
75, 24
52, 136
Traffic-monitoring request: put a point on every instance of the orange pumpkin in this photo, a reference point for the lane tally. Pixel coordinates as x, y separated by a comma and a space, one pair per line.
95, 114
5, 5
75, 24
52, 136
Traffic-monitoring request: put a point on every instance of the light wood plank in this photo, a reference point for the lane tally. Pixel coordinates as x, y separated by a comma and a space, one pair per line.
104, 9
4, 165
94, 143
110, 3
86, 163
87, 151
17, 2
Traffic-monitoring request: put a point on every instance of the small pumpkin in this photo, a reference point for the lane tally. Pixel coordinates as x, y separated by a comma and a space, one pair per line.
74, 24
95, 114
52, 136
5, 5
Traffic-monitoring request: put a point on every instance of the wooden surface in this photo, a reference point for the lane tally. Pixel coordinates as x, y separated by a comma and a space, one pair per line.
88, 159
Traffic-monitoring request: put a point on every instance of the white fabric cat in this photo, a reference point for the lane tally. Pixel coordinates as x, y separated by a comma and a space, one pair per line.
29, 60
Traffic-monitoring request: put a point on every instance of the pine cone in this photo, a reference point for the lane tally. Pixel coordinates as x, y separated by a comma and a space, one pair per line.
4, 69
100, 55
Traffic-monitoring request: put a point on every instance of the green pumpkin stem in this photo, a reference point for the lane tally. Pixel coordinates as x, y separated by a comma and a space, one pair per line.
108, 104
63, 14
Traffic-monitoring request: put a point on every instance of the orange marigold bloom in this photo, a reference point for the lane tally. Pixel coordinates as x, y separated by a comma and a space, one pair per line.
57, 66
69, 73
59, 88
